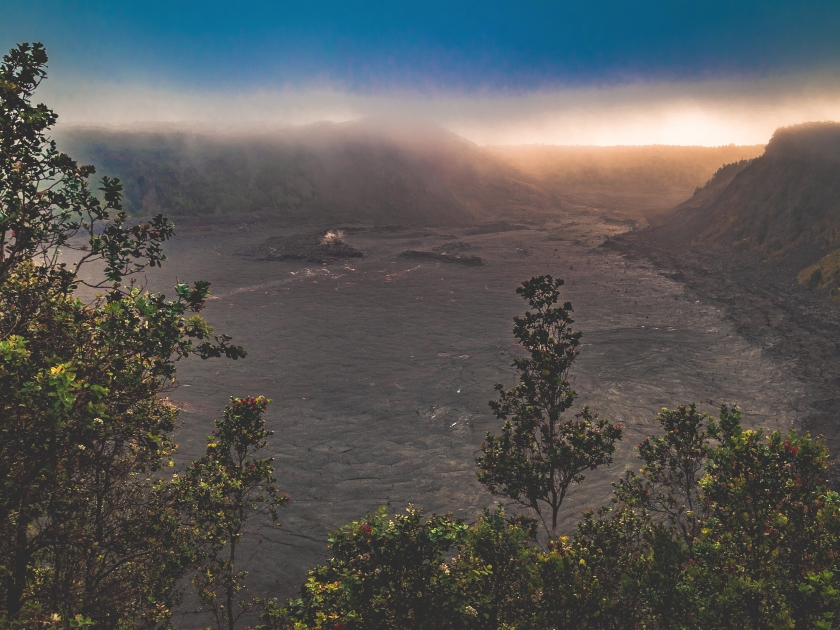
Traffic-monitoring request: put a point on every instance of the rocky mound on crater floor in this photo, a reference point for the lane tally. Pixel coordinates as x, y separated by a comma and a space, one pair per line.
312, 247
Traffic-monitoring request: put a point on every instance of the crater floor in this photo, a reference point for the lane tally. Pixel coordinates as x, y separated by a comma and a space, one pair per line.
381, 368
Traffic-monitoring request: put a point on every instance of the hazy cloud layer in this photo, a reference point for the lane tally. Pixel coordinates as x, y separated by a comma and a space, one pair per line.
711, 72
690, 113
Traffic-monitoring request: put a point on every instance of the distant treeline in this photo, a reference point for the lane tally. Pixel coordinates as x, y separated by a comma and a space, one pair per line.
362, 172
655, 176
322, 172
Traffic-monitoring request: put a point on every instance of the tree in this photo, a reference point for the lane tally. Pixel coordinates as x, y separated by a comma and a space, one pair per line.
89, 525
759, 550
384, 574
767, 554
539, 455
46, 200
673, 464
749, 535
226, 488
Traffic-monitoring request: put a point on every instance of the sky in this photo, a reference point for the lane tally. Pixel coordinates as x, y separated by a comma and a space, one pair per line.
594, 72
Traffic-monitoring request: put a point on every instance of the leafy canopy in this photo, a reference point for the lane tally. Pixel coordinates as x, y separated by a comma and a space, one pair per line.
46, 202
225, 489
91, 530
539, 454
761, 552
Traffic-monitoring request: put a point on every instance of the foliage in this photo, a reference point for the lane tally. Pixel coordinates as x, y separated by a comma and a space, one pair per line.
91, 530
673, 464
226, 488
494, 566
46, 199
397, 573
384, 573
752, 543
598, 578
539, 455
768, 550
823, 275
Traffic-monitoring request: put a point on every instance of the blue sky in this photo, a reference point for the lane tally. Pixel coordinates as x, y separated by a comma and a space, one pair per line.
463, 46
445, 51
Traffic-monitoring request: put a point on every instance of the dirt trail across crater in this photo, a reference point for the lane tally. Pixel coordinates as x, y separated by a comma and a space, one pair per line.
381, 368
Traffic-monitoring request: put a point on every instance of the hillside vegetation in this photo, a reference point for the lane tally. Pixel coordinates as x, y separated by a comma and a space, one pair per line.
642, 177
377, 173
354, 172
783, 204
824, 275
717, 183
788, 197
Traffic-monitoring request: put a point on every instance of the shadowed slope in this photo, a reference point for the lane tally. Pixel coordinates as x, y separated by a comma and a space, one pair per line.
789, 197
357, 172
745, 240
644, 178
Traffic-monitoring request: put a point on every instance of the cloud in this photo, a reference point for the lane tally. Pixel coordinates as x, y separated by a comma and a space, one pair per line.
709, 113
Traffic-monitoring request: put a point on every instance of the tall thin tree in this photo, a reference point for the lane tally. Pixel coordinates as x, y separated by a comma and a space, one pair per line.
540, 453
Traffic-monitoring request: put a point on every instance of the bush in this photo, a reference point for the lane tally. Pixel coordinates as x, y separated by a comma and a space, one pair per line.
94, 531
721, 528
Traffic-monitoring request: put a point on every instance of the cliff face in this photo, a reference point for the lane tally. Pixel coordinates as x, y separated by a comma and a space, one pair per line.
350, 172
386, 173
651, 179
788, 197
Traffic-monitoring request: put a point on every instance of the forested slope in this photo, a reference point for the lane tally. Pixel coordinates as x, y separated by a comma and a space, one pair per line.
647, 178
788, 197
783, 206
351, 172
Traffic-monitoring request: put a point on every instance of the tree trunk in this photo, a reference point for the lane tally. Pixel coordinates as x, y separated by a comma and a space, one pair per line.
230, 582
14, 596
